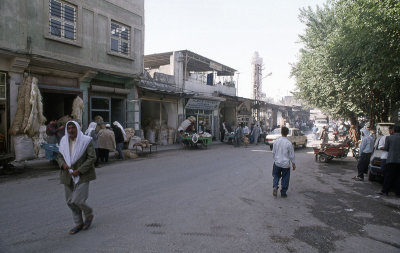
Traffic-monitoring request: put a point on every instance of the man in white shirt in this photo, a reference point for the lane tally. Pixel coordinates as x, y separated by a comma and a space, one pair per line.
366, 149
283, 154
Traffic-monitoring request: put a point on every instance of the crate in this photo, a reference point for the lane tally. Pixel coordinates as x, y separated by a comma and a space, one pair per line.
51, 151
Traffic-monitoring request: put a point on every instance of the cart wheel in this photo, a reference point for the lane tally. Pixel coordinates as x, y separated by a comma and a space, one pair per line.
323, 159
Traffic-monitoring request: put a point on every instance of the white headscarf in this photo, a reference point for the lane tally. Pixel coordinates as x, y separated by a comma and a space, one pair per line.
92, 126
116, 123
81, 143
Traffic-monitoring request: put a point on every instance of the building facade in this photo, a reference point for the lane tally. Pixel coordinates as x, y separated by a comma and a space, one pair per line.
88, 48
195, 83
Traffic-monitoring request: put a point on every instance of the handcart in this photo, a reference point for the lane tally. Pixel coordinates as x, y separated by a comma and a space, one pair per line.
51, 151
328, 152
193, 141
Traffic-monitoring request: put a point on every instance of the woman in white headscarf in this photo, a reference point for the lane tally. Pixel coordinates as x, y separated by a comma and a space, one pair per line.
116, 123
76, 160
91, 131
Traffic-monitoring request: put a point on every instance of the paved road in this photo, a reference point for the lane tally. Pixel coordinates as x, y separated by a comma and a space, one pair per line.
213, 200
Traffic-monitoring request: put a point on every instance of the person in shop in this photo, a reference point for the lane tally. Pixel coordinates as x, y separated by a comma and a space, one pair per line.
119, 140
91, 131
51, 131
201, 127
76, 160
61, 129
105, 142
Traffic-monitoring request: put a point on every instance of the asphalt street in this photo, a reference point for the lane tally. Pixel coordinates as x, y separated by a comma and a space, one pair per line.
207, 200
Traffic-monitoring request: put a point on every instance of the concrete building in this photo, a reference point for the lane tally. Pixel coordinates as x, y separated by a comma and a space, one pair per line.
183, 84
88, 48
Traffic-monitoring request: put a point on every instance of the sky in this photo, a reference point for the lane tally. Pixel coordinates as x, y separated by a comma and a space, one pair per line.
229, 32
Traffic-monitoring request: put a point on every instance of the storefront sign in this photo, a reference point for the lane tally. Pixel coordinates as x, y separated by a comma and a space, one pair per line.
201, 104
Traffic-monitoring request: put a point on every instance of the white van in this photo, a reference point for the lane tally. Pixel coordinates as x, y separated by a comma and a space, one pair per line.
319, 123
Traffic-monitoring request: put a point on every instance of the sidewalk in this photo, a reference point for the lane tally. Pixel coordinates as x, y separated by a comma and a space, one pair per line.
42, 164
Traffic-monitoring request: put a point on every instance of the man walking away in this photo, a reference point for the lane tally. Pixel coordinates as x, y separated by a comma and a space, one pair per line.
283, 154
392, 175
105, 142
76, 160
366, 149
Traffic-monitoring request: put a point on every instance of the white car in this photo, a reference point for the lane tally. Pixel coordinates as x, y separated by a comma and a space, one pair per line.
295, 136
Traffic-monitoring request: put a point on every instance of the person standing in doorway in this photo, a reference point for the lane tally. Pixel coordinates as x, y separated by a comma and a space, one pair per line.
51, 132
76, 160
283, 154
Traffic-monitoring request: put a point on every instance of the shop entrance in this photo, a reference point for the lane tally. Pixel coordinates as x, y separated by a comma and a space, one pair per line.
205, 116
110, 109
57, 105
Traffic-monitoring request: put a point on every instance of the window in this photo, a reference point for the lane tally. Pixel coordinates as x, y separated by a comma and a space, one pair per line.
62, 19
120, 38
2, 85
100, 106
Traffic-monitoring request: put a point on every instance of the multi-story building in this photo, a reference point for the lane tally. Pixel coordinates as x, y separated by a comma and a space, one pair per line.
88, 48
183, 84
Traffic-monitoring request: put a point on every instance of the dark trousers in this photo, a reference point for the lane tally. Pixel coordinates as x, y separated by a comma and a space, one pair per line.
222, 136
277, 174
96, 163
392, 178
362, 165
103, 153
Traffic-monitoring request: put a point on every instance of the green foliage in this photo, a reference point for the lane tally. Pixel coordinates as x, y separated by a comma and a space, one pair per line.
349, 65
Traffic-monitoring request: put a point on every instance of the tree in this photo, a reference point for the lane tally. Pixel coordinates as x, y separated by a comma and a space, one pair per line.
349, 65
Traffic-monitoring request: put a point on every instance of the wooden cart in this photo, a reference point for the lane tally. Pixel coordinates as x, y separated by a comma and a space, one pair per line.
329, 152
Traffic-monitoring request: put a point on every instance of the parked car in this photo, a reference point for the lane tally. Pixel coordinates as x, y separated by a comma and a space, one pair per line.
375, 170
295, 136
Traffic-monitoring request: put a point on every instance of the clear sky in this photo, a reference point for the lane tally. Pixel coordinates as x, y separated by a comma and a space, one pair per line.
229, 32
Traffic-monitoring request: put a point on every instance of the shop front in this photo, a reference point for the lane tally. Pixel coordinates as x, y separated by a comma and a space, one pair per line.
244, 113
58, 94
205, 110
108, 100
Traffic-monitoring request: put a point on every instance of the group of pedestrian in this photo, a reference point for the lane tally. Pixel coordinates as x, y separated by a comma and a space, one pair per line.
246, 135
390, 157
390, 160
107, 139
